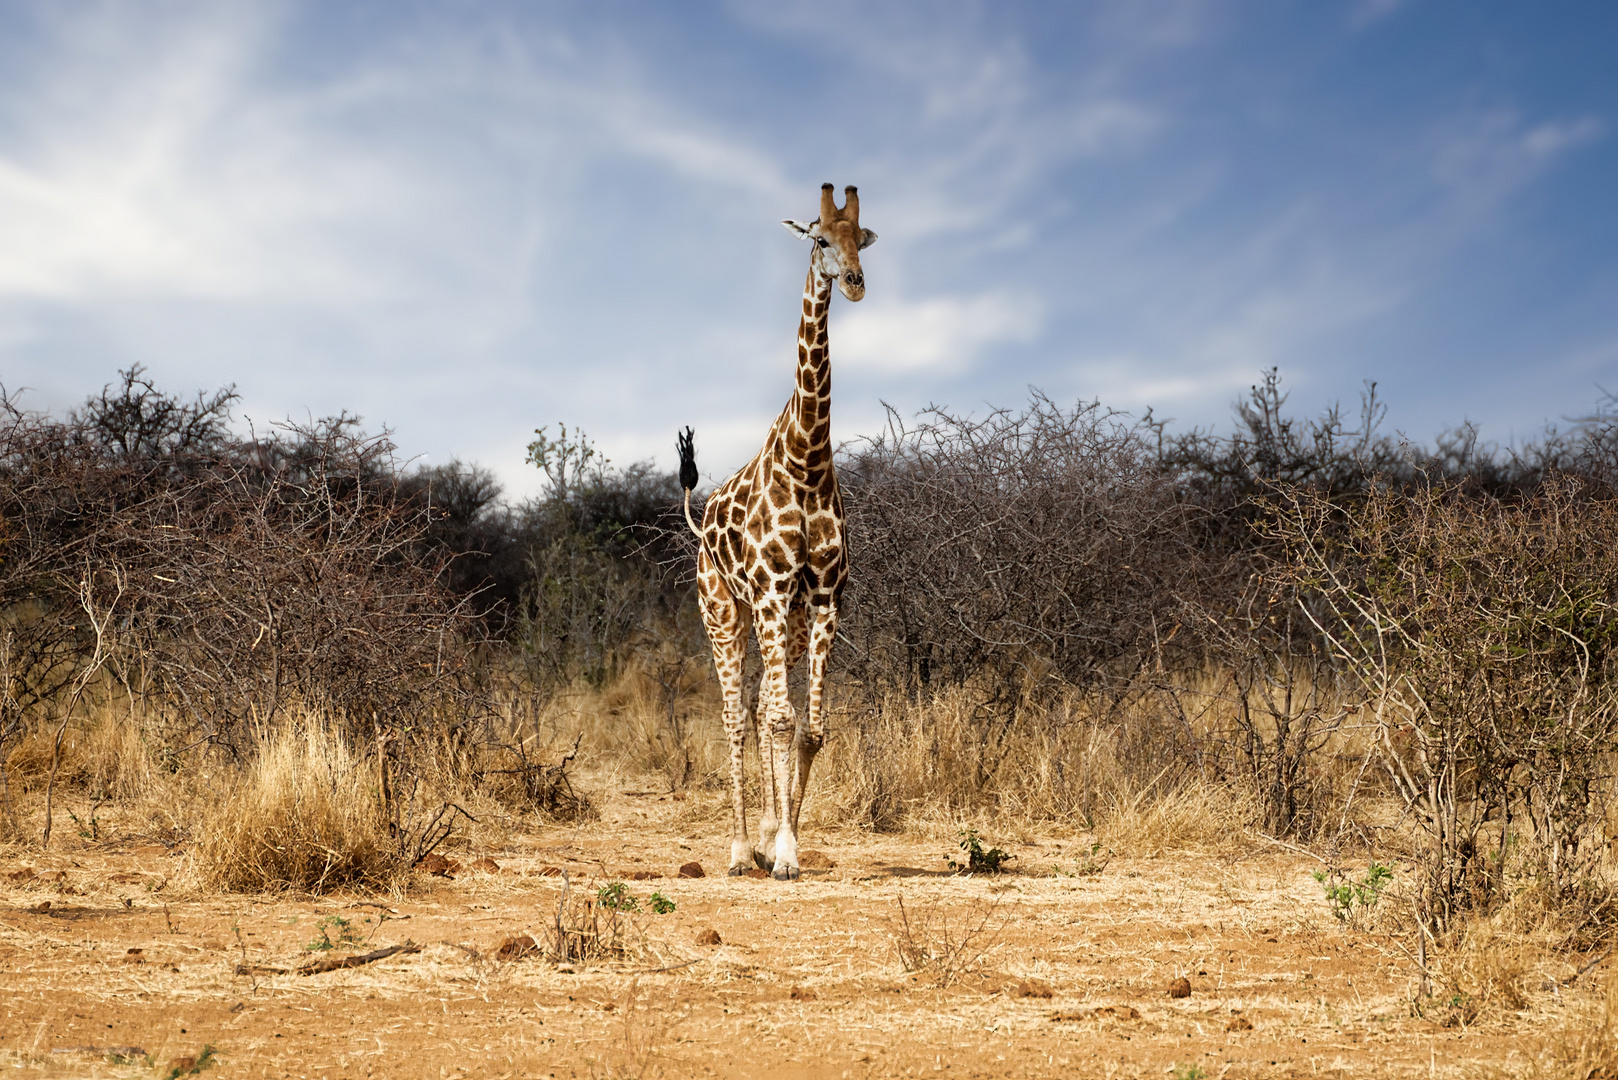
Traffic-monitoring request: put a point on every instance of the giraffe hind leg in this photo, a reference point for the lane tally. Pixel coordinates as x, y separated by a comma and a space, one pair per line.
727, 623
764, 852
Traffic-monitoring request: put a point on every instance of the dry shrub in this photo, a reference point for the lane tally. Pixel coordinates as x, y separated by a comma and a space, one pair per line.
305, 815
941, 947
658, 717
1490, 968
585, 930
515, 778
1206, 817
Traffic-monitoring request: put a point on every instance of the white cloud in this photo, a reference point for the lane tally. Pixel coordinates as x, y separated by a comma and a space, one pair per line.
942, 335
1482, 158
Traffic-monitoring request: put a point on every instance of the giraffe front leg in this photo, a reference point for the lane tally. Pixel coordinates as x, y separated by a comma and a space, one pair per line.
813, 733
782, 724
774, 804
764, 853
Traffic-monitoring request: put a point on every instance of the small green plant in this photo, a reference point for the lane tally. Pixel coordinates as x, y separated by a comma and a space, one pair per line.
1350, 898
661, 905
1089, 864
979, 859
346, 934
617, 897
1189, 1072
206, 1059
88, 830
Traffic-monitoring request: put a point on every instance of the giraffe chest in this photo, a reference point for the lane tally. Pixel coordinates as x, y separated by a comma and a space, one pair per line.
772, 539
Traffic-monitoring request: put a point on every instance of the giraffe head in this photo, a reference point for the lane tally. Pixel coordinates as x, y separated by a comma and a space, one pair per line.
838, 239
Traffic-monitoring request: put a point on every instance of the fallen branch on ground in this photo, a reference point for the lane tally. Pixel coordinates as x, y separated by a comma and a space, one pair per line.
333, 963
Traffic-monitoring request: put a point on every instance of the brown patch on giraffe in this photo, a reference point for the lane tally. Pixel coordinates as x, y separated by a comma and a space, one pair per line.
775, 556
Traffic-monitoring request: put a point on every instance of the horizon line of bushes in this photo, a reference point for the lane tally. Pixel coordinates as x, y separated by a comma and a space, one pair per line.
1460, 594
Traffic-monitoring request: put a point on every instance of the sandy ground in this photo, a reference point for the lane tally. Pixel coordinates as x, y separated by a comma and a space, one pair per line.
805, 982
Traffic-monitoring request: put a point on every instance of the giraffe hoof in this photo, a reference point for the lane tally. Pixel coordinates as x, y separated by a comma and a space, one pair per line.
787, 873
737, 871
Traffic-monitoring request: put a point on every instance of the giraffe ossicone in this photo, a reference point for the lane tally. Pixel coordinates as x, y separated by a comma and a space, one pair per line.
771, 560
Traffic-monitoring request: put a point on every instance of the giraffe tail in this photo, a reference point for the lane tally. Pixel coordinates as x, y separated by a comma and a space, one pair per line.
685, 444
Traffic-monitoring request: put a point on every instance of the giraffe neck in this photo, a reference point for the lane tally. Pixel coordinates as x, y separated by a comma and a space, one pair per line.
808, 416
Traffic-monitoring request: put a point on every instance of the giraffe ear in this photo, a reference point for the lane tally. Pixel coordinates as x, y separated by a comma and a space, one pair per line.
798, 229
867, 238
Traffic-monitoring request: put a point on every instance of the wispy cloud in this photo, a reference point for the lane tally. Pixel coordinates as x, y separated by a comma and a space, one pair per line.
468, 221
942, 335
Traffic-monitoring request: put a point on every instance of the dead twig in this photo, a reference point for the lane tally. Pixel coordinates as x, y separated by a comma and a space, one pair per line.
334, 963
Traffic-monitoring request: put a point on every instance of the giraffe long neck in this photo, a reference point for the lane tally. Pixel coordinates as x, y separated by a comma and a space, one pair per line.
808, 415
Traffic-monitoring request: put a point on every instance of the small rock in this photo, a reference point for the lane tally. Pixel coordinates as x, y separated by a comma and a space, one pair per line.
802, 993
21, 875
1180, 988
692, 869
709, 936
757, 873
486, 865
1033, 988
438, 866
815, 860
640, 875
516, 947
41, 908
1239, 1023
134, 956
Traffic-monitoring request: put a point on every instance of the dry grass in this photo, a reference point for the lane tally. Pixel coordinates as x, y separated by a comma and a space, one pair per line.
1193, 817
305, 815
1586, 1045
908, 765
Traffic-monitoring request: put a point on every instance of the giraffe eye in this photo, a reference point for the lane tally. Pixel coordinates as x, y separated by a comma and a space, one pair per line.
821, 240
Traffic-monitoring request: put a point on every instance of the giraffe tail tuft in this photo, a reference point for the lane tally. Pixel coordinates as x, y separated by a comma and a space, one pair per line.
684, 442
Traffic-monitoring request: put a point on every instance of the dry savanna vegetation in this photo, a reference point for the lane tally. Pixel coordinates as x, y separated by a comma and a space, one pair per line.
1280, 752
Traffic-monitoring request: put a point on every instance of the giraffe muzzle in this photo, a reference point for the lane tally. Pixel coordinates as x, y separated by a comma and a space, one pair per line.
853, 285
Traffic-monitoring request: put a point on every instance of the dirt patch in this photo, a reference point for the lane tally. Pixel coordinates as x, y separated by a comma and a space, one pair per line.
806, 974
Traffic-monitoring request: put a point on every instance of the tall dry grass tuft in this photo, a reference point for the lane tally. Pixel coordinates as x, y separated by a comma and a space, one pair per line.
1586, 1046
1193, 816
1082, 760
306, 815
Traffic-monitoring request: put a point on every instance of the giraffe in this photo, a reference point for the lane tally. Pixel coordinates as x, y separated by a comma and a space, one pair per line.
771, 559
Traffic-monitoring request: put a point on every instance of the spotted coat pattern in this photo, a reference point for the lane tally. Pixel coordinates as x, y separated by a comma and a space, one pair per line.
773, 562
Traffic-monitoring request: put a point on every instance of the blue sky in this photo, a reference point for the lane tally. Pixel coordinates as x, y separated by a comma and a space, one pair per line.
466, 219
